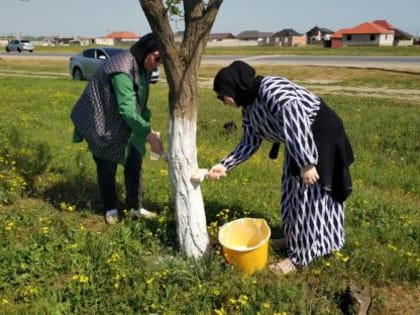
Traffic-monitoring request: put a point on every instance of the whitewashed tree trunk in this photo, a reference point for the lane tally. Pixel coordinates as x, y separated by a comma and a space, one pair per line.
182, 64
189, 206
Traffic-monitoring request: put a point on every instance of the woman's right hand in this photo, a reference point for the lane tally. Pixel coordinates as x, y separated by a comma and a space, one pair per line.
216, 172
156, 145
309, 175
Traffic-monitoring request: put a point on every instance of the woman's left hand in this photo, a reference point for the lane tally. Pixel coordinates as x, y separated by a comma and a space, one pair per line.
309, 175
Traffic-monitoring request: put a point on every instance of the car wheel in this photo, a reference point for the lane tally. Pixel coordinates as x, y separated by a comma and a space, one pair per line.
77, 74
31, 51
19, 50
7, 49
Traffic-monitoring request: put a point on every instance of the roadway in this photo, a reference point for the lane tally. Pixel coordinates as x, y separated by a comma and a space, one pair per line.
387, 62
406, 63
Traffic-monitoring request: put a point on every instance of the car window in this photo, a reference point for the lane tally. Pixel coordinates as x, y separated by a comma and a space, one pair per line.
113, 51
25, 41
100, 54
89, 53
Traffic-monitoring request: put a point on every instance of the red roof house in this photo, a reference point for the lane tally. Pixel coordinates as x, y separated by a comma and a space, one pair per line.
123, 36
376, 33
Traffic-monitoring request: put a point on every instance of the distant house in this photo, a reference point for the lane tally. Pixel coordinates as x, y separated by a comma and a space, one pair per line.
336, 38
318, 35
116, 38
4, 41
255, 37
179, 36
220, 36
58, 41
401, 38
222, 39
86, 41
376, 33
288, 37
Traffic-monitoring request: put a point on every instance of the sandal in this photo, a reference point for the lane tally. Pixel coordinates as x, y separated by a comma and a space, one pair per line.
282, 267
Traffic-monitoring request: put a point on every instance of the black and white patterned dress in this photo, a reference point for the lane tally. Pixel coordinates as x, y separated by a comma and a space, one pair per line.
313, 222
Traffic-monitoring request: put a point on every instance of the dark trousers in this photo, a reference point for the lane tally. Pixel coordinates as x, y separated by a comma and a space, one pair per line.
106, 173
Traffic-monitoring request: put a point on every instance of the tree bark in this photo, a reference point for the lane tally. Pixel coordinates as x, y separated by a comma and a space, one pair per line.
182, 68
190, 213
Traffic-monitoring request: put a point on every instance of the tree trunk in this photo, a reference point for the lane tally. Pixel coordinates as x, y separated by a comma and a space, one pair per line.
189, 206
182, 65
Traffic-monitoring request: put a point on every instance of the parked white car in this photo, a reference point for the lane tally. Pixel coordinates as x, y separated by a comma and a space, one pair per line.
19, 45
84, 65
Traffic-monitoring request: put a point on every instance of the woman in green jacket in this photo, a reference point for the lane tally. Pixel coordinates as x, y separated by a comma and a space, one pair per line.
113, 118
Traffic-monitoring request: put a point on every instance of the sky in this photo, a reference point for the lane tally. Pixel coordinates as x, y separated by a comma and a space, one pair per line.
94, 18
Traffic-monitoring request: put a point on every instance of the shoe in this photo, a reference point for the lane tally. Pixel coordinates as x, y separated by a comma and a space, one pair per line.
143, 213
112, 217
284, 267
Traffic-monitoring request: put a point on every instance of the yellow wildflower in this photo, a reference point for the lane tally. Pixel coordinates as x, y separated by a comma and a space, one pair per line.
220, 311
266, 305
345, 259
243, 299
9, 226
114, 258
83, 279
392, 247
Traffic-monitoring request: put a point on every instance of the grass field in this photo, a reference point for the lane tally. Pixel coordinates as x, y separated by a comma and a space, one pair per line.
57, 255
269, 50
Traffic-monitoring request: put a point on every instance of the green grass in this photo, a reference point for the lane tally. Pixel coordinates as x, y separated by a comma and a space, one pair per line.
59, 257
315, 50
269, 50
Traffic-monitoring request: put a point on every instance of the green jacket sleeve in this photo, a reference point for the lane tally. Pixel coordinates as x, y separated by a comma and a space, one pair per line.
126, 99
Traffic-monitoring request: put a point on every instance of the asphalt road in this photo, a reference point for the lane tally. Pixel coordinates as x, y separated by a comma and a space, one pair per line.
408, 63
391, 62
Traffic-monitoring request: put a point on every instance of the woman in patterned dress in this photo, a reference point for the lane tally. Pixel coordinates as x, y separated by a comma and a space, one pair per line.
316, 178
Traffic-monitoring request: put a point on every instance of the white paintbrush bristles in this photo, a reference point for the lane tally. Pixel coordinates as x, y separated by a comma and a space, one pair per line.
198, 175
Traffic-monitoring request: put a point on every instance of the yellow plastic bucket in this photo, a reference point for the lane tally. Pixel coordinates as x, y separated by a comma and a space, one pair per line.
245, 243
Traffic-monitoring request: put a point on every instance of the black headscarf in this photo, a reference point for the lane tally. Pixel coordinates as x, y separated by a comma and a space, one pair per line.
237, 81
144, 46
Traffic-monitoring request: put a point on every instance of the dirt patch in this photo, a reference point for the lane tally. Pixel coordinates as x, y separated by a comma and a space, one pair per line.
325, 87
30, 74
406, 94
396, 300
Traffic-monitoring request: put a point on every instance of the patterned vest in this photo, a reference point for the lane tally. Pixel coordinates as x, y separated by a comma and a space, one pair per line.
95, 115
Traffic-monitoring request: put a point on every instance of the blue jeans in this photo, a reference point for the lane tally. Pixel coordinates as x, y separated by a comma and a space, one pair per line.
106, 172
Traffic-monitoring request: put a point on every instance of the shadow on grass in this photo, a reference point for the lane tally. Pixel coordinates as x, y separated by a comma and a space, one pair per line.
236, 211
81, 192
